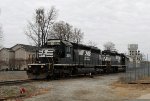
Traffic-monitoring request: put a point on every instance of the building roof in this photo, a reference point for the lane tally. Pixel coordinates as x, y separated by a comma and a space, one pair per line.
26, 47
29, 47
9, 49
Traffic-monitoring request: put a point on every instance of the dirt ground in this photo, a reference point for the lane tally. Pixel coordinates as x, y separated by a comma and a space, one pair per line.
131, 91
13, 92
98, 88
139, 90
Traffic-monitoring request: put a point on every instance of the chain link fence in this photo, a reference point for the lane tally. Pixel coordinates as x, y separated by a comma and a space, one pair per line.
136, 71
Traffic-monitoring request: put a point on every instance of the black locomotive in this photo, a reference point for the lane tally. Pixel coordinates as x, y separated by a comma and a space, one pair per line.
60, 58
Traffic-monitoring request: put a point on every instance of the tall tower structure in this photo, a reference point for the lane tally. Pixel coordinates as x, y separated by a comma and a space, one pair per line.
134, 53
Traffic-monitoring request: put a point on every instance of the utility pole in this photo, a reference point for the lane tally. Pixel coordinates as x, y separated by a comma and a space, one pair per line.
148, 65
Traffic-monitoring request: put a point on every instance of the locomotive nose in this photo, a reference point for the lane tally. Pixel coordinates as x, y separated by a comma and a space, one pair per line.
50, 53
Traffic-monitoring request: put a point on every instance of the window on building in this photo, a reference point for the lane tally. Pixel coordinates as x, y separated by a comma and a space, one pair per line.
29, 56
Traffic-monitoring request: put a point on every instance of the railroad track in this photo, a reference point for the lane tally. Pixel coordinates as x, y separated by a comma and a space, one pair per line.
2, 83
14, 82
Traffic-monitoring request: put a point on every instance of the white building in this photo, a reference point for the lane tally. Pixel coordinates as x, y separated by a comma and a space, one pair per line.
134, 53
6, 57
17, 57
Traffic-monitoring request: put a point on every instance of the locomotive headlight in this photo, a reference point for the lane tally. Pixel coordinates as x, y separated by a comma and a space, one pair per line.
41, 66
29, 66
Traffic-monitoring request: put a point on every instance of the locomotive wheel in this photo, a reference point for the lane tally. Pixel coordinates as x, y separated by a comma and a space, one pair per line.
48, 77
115, 70
105, 70
91, 76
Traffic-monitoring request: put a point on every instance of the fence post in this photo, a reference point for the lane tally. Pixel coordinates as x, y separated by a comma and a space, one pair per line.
135, 70
148, 65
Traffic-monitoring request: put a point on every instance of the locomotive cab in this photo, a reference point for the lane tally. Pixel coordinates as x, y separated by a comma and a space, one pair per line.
55, 51
62, 50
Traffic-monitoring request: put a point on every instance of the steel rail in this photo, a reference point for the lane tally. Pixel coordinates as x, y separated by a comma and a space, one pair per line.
3, 83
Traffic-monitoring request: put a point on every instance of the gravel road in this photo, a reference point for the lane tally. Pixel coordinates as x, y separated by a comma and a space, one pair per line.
79, 89
98, 88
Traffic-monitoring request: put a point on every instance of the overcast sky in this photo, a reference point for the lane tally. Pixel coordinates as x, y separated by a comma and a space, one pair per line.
120, 21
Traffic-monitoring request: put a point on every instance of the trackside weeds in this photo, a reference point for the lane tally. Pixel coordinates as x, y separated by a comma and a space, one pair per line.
21, 91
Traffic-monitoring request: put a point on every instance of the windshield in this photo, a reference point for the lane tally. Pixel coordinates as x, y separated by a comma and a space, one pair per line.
53, 42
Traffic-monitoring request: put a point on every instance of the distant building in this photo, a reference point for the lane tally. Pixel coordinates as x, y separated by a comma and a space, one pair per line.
17, 57
6, 56
134, 53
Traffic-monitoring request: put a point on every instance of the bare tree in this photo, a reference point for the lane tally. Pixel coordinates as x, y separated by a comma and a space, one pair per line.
61, 30
38, 29
91, 43
65, 31
43, 27
109, 46
77, 35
